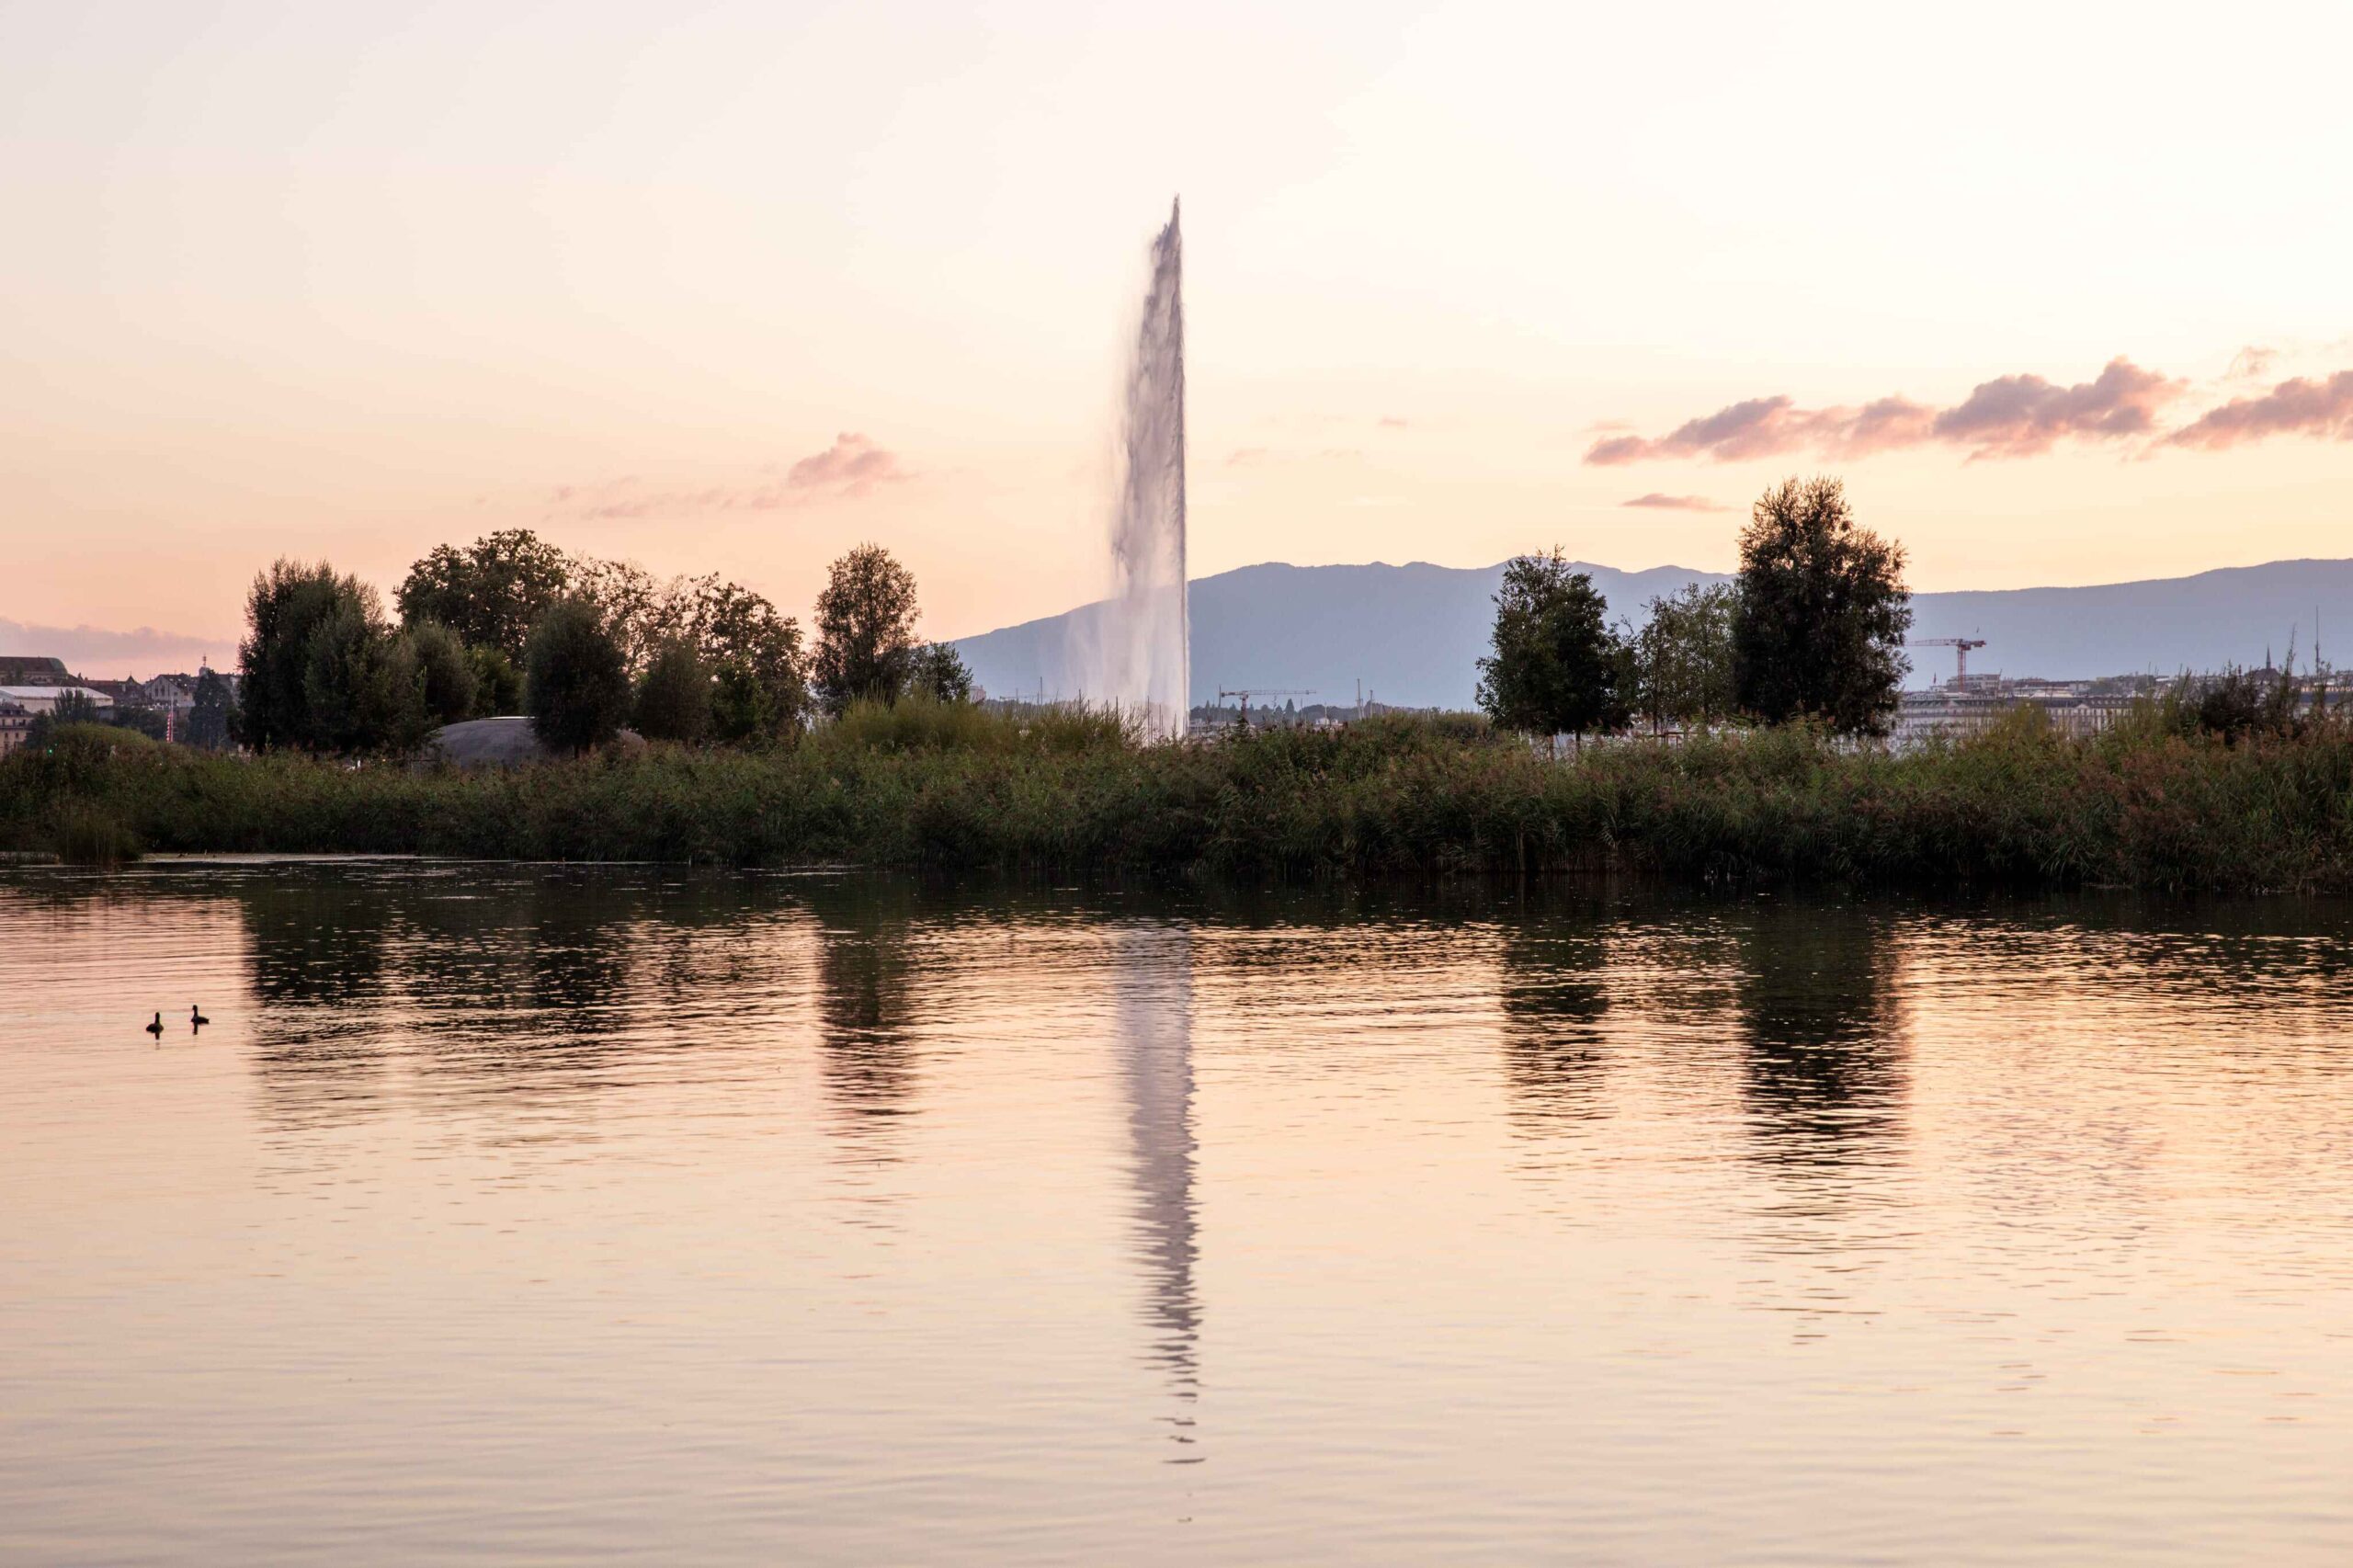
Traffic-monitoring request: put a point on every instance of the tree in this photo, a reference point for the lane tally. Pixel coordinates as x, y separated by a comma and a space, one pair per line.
1557, 667
286, 604
674, 696
361, 687
575, 683
1683, 665
866, 621
1823, 612
148, 721
448, 672
938, 671
321, 670
209, 720
491, 592
731, 625
743, 707
499, 685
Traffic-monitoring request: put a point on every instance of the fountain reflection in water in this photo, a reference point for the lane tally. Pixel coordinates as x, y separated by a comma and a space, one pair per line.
1141, 653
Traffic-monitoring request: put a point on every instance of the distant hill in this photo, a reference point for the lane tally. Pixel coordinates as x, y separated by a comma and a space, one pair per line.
1414, 634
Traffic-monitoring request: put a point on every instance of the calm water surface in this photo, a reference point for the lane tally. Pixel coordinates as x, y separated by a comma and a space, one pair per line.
511, 1215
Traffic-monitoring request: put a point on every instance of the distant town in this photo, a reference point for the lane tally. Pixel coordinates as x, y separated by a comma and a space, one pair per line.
163, 707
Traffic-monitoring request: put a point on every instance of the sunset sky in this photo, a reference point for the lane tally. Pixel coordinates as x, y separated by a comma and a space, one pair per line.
2061, 291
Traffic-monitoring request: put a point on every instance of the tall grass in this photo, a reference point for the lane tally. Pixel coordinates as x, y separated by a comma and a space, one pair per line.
919, 786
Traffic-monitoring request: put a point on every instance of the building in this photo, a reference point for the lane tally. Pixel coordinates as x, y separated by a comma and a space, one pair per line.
29, 669
16, 723
38, 699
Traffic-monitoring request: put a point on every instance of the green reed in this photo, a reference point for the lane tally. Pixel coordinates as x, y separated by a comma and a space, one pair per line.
1080, 792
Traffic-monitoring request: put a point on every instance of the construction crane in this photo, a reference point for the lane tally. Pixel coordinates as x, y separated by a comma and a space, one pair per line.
1960, 647
1257, 691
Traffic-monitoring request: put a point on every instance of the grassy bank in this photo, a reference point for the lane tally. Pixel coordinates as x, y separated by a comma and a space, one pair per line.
944, 790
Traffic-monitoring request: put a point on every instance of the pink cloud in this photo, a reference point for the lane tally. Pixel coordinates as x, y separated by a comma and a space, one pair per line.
1658, 501
2010, 416
851, 466
2019, 417
2294, 407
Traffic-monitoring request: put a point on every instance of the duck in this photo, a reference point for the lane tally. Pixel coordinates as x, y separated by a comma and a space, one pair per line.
196, 1019
156, 1028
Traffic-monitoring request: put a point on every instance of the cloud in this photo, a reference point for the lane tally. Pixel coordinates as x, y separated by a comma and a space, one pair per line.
105, 654
2010, 416
853, 465
2250, 363
2018, 417
1390, 422
1658, 501
2294, 407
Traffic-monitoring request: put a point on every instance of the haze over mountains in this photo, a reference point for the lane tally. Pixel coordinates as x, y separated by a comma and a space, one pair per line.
1414, 634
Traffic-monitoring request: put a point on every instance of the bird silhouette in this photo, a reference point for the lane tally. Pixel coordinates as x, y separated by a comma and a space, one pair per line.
156, 1028
196, 1019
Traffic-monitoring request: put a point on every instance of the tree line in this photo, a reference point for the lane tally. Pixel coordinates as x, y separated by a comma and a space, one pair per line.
584, 646
1811, 629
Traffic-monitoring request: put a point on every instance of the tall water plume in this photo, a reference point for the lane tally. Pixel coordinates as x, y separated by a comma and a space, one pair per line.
1143, 655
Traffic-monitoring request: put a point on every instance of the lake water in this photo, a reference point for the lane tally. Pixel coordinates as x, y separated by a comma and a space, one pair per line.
507, 1214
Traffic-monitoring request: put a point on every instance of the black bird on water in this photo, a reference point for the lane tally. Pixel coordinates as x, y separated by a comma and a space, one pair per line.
195, 1018
156, 1028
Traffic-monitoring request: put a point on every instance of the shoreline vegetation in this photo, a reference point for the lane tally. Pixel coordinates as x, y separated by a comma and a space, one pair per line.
871, 747
2156, 802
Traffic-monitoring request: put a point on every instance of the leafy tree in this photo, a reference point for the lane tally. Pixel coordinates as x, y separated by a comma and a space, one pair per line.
866, 629
491, 592
286, 604
1557, 667
1823, 611
447, 671
938, 671
148, 721
321, 667
674, 696
731, 625
576, 684
743, 706
499, 685
1683, 663
75, 708
361, 687
640, 613
209, 720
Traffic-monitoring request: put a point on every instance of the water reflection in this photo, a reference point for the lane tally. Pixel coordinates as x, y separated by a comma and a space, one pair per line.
867, 942
1155, 1009
1555, 996
1825, 1070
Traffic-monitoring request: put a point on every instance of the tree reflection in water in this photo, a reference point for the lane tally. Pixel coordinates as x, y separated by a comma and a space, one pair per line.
1826, 1070
1554, 995
867, 945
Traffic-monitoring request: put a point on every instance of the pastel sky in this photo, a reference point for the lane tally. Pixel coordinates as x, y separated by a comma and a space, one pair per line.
2059, 289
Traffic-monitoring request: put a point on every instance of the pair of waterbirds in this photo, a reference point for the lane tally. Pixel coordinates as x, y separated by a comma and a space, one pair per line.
196, 1020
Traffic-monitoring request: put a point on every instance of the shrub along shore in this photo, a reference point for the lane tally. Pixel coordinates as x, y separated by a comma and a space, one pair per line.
956, 787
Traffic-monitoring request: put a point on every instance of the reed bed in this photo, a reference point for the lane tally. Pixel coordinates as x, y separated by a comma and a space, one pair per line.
917, 786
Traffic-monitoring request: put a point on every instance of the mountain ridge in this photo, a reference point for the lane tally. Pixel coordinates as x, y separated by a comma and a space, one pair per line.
1413, 633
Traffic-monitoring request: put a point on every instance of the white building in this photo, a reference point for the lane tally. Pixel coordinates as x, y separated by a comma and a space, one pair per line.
44, 698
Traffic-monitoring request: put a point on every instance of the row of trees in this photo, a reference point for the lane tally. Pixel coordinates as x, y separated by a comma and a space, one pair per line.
583, 645
1813, 629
